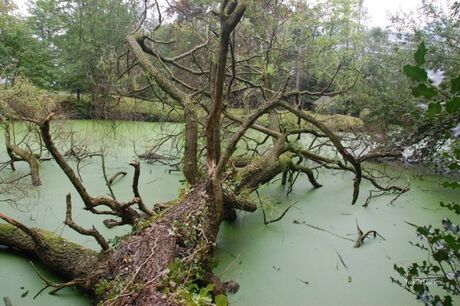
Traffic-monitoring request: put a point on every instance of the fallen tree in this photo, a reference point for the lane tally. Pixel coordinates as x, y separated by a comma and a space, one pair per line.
168, 256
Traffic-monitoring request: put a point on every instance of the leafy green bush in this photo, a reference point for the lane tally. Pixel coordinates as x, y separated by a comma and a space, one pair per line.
25, 100
441, 243
434, 138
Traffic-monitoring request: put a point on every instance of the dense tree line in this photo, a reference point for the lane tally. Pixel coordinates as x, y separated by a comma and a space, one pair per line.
73, 45
60, 43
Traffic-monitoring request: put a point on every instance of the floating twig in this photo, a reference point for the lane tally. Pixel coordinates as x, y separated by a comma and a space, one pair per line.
266, 222
57, 287
322, 229
304, 282
341, 260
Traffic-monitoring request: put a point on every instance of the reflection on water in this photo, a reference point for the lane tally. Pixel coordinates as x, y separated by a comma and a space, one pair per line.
285, 263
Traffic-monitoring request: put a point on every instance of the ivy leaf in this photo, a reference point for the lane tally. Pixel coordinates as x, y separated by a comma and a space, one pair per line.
418, 288
453, 105
270, 70
422, 231
454, 166
221, 300
457, 153
434, 109
423, 90
400, 270
205, 292
441, 256
447, 301
452, 206
452, 243
413, 270
419, 56
455, 85
415, 73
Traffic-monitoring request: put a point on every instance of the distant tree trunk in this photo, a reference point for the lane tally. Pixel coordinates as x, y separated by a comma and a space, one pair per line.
18, 154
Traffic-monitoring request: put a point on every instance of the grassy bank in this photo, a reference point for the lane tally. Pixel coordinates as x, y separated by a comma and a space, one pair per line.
136, 109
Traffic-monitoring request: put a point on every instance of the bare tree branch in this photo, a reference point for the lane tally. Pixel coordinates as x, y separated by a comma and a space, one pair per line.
91, 232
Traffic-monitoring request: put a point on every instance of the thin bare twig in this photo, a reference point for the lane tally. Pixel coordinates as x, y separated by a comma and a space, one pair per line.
57, 286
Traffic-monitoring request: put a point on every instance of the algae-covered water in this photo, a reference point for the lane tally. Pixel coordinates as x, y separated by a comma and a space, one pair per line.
290, 262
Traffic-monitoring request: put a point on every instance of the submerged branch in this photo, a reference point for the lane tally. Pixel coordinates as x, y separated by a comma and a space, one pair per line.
125, 212
322, 229
347, 156
116, 175
266, 222
137, 172
57, 287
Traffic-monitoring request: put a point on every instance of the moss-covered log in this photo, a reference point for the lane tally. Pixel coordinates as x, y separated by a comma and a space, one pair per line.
166, 253
65, 258
153, 260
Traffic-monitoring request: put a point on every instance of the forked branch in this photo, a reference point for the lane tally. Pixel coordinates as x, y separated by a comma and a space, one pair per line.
86, 232
124, 211
137, 172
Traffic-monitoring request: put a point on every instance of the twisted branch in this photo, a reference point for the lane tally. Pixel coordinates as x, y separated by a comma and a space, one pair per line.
91, 232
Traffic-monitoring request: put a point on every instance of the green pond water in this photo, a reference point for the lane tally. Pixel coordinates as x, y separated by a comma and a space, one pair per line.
284, 263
